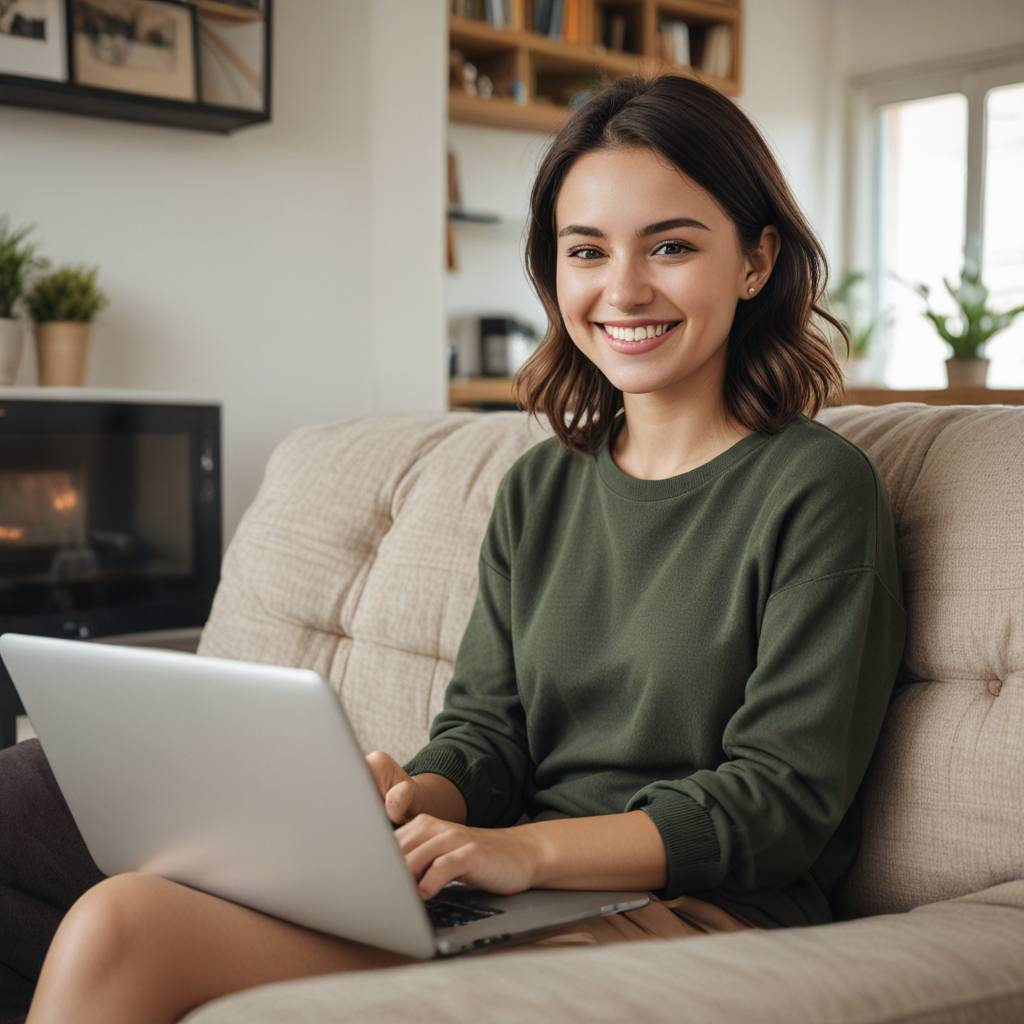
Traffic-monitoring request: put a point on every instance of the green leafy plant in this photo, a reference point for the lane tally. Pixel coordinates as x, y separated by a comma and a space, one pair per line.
18, 262
67, 293
975, 323
841, 303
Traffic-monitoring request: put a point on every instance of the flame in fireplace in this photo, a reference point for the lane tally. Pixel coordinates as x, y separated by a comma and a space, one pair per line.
65, 499
41, 508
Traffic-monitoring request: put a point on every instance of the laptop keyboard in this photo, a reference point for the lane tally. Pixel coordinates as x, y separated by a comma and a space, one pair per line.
445, 913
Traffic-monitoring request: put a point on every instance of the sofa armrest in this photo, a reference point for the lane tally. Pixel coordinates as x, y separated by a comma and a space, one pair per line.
954, 961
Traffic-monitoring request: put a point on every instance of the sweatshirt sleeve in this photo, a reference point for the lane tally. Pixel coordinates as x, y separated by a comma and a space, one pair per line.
797, 748
829, 648
478, 738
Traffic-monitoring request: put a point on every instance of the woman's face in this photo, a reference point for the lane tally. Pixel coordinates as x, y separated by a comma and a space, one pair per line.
693, 273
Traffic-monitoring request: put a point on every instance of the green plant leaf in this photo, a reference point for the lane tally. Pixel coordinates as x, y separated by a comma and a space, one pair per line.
67, 293
19, 262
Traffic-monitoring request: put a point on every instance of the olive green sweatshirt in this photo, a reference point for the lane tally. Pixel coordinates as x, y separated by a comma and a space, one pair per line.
717, 649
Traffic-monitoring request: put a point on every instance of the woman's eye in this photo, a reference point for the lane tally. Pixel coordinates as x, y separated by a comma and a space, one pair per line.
586, 248
678, 245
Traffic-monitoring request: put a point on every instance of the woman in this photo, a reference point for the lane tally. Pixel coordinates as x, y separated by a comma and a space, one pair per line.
689, 617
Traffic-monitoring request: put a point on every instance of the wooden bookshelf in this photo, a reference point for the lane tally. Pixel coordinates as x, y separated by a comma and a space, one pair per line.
473, 393
534, 75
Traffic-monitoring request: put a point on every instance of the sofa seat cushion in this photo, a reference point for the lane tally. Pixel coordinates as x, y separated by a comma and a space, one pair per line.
946, 963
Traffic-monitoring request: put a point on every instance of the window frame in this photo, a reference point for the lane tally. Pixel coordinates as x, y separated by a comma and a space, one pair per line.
971, 76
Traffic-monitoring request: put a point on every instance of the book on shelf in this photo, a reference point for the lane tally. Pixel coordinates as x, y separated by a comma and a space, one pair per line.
566, 20
495, 12
717, 57
549, 18
674, 46
615, 31
674, 41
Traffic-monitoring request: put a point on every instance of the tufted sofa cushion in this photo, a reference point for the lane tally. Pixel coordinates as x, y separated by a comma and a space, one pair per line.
944, 796
358, 558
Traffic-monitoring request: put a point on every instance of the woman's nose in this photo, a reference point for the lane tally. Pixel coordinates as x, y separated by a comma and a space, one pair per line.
627, 286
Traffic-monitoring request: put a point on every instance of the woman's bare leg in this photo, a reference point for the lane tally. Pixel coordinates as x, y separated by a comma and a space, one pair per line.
139, 949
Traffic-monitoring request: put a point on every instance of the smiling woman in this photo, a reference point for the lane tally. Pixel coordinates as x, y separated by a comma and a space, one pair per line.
691, 303
689, 597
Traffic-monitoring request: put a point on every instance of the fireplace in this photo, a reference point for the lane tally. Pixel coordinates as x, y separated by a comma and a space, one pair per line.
110, 515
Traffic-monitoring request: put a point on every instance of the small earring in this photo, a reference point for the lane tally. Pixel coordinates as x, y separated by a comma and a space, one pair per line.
750, 291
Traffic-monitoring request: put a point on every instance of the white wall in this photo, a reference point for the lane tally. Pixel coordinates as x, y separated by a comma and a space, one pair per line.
787, 58
408, 195
291, 269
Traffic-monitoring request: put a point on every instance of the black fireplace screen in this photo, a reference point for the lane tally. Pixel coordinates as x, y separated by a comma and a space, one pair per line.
92, 509
109, 516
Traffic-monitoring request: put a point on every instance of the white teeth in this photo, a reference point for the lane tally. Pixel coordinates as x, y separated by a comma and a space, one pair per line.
639, 333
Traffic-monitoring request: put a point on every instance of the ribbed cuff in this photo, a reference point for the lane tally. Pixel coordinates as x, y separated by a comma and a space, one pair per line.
450, 763
691, 845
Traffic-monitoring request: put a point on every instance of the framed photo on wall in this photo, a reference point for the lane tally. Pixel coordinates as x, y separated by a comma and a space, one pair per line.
232, 45
32, 39
140, 46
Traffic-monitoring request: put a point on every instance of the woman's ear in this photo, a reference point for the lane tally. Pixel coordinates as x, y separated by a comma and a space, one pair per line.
758, 264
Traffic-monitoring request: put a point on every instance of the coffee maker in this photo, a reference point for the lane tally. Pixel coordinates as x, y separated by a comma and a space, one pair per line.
505, 344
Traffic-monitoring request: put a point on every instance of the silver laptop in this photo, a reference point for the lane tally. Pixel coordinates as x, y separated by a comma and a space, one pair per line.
246, 781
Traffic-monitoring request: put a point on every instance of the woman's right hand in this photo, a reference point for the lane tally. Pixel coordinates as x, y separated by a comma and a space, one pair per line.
403, 798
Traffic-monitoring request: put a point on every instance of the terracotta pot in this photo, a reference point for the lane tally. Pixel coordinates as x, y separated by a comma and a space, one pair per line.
966, 373
62, 349
12, 342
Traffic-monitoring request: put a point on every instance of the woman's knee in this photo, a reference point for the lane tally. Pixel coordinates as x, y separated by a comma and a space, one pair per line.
105, 925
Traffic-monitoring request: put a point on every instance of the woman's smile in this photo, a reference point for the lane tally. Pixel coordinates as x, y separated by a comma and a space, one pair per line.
634, 348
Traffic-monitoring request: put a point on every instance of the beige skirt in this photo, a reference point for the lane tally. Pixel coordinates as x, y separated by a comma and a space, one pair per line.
660, 919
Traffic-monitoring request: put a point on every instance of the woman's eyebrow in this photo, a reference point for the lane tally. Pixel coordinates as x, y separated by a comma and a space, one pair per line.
651, 229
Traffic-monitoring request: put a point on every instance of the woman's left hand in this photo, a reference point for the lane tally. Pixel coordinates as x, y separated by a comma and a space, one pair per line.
498, 860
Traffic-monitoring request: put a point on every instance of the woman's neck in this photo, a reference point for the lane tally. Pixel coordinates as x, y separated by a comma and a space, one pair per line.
659, 447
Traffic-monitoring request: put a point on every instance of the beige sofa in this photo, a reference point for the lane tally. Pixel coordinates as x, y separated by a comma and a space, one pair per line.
358, 558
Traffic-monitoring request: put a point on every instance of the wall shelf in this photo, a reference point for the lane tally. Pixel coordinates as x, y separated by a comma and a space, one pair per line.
40, 94
470, 217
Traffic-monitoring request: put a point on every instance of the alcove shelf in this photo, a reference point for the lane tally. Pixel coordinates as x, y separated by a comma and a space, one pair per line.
534, 75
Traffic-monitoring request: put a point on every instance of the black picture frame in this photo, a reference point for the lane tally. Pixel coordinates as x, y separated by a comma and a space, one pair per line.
19, 54
70, 9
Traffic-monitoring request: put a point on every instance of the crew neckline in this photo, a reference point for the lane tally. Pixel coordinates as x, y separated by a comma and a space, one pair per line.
637, 489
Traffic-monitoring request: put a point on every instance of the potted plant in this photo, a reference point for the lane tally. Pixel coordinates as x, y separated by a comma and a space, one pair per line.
63, 303
18, 262
969, 329
841, 302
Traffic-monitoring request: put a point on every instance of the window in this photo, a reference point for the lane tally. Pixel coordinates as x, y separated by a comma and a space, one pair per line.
937, 166
1003, 249
922, 153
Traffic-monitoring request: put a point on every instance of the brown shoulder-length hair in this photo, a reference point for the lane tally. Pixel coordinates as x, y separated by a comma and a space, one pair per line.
778, 361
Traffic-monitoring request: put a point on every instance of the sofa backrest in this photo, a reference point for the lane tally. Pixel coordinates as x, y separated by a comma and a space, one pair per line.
358, 558
944, 796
